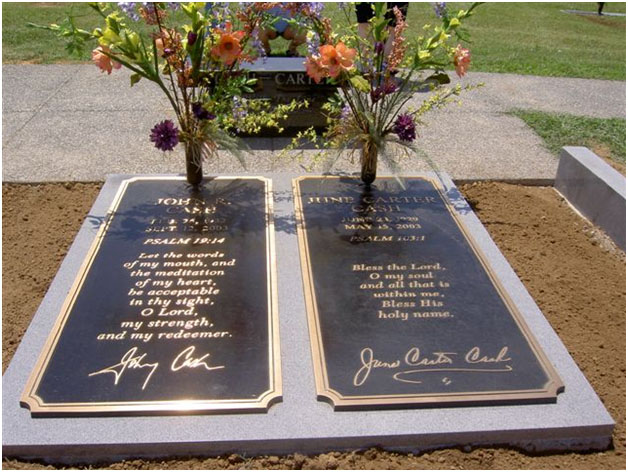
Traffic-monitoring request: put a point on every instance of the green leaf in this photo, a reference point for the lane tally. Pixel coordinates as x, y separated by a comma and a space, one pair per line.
439, 77
360, 83
135, 78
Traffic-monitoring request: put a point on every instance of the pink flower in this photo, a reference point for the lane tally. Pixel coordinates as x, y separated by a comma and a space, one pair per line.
228, 48
315, 69
337, 58
103, 61
462, 59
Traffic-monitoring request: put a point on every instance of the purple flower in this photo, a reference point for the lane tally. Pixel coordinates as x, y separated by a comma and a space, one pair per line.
379, 47
313, 43
405, 128
239, 108
440, 8
258, 45
316, 8
165, 135
383, 90
192, 36
200, 113
129, 9
345, 113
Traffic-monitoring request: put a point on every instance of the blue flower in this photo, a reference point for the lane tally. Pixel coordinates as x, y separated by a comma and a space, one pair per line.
165, 135
440, 8
129, 9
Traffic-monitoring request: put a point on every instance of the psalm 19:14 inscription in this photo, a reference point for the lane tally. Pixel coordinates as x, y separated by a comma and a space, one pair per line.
402, 307
174, 309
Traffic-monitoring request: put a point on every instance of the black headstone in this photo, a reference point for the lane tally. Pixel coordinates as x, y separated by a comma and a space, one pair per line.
403, 308
173, 310
283, 79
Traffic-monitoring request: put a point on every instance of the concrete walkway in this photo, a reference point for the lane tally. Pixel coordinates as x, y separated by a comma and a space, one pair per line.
70, 122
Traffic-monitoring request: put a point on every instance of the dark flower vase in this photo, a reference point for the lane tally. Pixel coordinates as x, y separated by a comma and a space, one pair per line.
193, 164
368, 162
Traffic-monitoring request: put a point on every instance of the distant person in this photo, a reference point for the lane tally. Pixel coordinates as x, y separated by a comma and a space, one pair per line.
282, 28
600, 7
364, 12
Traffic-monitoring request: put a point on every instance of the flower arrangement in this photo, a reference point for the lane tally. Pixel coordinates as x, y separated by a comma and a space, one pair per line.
195, 61
378, 74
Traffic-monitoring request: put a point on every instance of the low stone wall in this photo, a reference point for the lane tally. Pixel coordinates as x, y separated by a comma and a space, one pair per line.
595, 189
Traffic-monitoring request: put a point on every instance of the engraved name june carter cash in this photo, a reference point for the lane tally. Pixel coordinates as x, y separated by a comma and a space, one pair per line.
473, 360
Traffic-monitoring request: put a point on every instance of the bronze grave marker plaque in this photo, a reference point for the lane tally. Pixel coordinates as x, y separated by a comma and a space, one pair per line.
403, 308
174, 309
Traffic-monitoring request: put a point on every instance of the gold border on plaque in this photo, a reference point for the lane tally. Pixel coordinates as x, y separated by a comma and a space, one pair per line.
324, 392
38, 406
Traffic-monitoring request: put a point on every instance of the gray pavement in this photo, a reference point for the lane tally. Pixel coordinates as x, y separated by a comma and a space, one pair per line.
70, 122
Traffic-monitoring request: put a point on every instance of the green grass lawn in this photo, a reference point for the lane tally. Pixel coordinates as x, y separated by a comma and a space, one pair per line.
522, 38
538, 39
606, 137
23, 44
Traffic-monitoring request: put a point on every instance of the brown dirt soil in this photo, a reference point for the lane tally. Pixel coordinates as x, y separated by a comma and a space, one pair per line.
605, 153
574, 273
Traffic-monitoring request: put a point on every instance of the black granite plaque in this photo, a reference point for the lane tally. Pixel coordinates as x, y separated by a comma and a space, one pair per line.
174, 309
283, 79
403, 308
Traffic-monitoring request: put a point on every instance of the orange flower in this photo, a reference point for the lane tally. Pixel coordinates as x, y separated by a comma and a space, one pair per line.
337, 59
462, 59
314, 68
228, 48
103, 61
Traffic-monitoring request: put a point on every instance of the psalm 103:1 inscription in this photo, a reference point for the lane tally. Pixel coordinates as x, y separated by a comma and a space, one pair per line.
403, 309
174, 309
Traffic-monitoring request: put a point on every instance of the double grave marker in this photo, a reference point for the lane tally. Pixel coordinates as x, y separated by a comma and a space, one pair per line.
175, 309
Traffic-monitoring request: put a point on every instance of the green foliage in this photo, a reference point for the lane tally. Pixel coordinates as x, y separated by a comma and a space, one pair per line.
21, 43
258, 114
531, 38
521, 38
605, 136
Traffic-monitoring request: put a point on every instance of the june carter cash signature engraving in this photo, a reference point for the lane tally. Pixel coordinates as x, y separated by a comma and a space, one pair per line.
474, 361
133, 359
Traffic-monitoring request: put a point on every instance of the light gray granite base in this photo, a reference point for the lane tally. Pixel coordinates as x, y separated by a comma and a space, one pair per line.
595, 189
578, 421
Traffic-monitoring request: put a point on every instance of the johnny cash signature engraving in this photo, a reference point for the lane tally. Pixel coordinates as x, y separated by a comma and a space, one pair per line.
134, 360
438, 361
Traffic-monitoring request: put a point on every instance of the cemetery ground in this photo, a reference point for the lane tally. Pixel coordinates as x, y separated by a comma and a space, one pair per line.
574, 273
